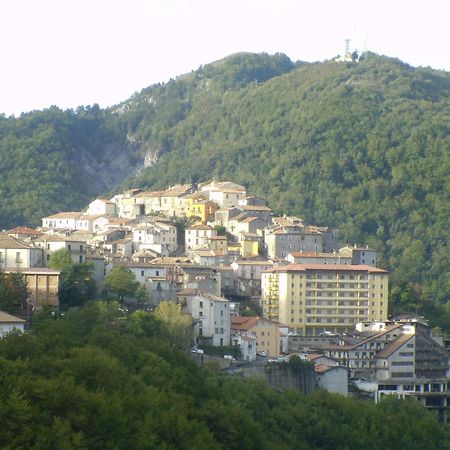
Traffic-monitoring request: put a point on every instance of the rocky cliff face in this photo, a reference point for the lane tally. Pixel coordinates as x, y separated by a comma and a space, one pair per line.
117, 165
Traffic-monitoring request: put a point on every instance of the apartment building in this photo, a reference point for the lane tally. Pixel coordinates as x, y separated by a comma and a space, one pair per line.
210, 313
317, 298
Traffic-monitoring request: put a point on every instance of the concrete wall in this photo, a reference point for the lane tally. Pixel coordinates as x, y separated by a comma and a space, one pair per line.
281, 376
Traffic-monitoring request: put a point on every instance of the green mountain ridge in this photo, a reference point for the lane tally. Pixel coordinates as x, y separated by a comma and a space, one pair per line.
360, 146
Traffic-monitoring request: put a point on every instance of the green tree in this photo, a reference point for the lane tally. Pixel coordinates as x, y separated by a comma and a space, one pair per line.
142, 295
121, 281
13, 291
178, 323
77, 286
61, 260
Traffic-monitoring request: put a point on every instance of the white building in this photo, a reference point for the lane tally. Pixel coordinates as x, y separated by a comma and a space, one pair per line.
92, 223
62, 221
247, 345
101, 206
15, 253
10, 323
211, 315
51, 244
153, 235
225, 193
198, 236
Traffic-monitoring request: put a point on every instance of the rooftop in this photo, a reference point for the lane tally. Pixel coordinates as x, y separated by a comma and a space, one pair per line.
8, 318
326, 267
65, 215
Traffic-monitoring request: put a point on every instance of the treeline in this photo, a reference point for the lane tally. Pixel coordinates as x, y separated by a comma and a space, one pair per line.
95, 380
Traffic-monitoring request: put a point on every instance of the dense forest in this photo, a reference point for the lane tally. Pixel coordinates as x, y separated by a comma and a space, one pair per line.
57, 160
95, 379
359, 146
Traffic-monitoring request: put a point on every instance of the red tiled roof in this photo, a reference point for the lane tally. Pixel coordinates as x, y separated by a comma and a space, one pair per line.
25, 230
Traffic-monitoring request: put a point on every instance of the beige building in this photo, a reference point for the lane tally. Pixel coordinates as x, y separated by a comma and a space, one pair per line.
43, 285
266, 332
317, 298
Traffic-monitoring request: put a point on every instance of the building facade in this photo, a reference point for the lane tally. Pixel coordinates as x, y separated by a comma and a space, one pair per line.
313, 298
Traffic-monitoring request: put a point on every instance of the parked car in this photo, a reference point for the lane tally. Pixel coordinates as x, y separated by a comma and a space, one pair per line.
229, 357
261, 354
197, 350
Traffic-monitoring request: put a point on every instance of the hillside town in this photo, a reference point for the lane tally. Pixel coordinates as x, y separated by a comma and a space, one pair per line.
270, 285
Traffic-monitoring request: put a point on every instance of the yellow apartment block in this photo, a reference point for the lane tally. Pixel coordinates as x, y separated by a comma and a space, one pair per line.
313, 299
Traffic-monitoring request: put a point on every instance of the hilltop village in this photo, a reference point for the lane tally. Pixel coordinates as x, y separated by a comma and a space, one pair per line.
271, 286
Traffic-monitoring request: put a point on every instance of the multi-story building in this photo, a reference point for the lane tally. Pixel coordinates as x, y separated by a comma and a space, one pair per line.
51, 244
198, 205
400, 358
198, 236
61, 221
210, 314
129, 204
317, 298
15, 253
153, 235
280, 241
42, 284
266, 332
248, 276
225, 193
360, 255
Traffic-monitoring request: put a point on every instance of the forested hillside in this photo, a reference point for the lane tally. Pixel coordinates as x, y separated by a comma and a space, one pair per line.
97, 380
55, 160
361, 146
364, 147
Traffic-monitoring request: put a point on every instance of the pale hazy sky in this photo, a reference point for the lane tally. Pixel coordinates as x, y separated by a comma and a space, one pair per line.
80, 52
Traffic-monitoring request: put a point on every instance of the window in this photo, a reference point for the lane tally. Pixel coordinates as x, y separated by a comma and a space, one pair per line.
142, 273
69, 247
201, 304
18, 260
200, 314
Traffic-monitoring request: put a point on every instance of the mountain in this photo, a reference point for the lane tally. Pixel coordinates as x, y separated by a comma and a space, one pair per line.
361, 146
